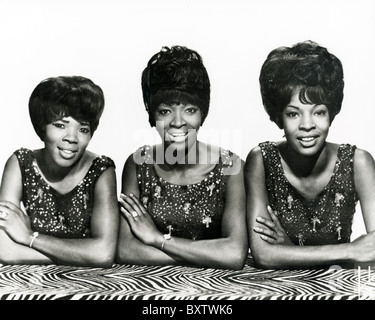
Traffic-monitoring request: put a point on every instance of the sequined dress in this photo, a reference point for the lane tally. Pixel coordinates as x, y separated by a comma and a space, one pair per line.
328, 218
192, 211
61, 215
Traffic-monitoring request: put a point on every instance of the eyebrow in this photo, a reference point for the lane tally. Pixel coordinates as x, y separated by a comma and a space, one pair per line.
295, 107
83, 123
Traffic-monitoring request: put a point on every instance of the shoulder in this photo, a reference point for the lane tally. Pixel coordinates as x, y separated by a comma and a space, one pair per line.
98, 164
23, 153
142, 155
255, 155
362, 158
230, 162
102, 161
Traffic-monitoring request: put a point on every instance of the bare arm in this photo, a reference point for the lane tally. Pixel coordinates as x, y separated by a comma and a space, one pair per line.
227, 252
98, 250
364, 175
277, 256
11, 190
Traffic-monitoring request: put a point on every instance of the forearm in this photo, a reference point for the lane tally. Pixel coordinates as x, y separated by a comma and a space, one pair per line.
95, 252
223, 253
133, 251
14, 253
280, 256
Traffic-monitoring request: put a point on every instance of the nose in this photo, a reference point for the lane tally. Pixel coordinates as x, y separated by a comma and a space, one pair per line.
178, 119
307, 123
71, 136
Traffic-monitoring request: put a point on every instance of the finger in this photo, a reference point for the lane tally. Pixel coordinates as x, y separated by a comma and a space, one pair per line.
129, 216
266, 222
8, 209
266, 232
131, 204
138, 203
268, 239
275, 219
10, 206
3, 214
129, 207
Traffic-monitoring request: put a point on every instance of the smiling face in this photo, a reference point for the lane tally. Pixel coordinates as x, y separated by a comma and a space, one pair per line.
306, 125
66, 141
178, 125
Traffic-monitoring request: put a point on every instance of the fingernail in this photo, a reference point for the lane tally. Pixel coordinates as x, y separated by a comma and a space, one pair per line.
257, 229
260, 219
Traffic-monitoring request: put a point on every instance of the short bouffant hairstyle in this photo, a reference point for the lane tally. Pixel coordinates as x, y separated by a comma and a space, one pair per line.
65, 96
175, 75
307, 67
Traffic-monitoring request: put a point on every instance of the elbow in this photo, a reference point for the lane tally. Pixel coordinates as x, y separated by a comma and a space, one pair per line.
263, 259
236, 259
104, 259
105, 262
120, 256
123, 256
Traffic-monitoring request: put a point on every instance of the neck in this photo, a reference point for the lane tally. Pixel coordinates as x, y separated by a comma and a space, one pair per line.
304, 166
171, 158
53, 173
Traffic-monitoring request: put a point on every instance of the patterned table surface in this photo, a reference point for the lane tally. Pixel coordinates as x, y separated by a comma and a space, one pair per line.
130, 282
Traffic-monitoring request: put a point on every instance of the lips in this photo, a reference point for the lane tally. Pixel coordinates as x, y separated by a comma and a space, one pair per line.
176, 136
67, 153
308, 141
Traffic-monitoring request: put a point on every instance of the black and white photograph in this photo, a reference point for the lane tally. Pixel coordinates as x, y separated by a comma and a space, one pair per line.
187, 150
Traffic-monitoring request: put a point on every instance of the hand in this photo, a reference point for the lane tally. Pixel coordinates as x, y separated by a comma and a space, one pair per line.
272, 230
140, 221
363, 248
15, 223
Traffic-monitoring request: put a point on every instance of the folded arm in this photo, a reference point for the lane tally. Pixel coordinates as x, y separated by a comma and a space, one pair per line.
284, 255
16, 232
141, 247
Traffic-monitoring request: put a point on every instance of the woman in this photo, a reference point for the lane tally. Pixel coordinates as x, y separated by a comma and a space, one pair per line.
310, 186
68, 192
183, 201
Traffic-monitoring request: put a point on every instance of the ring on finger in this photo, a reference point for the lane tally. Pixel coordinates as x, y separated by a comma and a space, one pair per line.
134, 214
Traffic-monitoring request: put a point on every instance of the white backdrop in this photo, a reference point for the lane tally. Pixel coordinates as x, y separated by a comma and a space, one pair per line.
110, 41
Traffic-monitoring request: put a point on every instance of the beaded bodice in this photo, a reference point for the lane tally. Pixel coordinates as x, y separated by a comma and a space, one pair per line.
193, 211
326, 219
62, 215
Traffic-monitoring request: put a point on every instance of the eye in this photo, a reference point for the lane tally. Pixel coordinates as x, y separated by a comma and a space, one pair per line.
58, 125
321, 112
164, 111
85, 130
291, 114
191, 110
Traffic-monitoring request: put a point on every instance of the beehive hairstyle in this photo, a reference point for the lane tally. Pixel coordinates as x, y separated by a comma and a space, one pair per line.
175, 75
307, 67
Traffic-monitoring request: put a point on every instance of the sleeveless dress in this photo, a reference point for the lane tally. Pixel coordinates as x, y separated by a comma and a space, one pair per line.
192, 211
328, 218
61, 215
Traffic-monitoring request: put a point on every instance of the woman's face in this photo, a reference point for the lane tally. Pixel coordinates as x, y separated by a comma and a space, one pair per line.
66, 140
306, 126
178, 125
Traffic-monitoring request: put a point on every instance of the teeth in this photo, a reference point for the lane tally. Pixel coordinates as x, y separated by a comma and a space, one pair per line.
177, 137
178, 134
307, 139
67, 151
